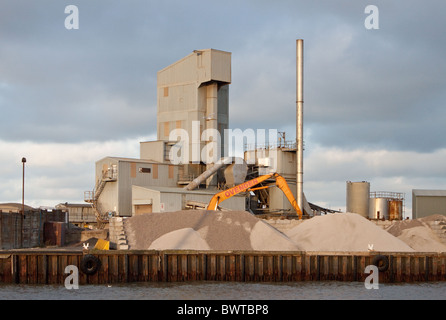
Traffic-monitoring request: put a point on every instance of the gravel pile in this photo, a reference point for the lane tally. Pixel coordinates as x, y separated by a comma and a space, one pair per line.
418, 234
344, 232
204, 230
240, 230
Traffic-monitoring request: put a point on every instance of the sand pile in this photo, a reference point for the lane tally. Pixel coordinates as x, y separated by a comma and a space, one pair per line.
418, 234
240, 230
204, 230
344, 232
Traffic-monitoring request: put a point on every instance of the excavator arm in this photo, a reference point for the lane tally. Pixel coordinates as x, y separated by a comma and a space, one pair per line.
280, 182
225, 194
282, 185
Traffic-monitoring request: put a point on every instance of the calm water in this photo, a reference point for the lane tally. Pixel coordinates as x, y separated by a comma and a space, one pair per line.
228, 291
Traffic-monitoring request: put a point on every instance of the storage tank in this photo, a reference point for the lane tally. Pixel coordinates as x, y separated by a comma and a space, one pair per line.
379, 208
395, 209
358, 195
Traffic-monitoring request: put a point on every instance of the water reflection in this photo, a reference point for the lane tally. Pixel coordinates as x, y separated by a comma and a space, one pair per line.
330, 290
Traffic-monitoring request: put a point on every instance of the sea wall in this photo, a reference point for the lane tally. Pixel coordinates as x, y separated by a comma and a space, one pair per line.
121, 266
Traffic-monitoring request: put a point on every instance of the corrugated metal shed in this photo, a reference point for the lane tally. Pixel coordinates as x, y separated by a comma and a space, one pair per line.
429, 193
428, 202
164, 199
78, 213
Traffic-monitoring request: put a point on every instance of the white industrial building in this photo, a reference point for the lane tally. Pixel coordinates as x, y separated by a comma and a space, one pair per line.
192, 96
193, 102
116, 176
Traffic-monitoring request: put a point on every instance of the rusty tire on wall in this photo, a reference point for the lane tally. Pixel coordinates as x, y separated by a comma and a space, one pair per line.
382, 262
90, 264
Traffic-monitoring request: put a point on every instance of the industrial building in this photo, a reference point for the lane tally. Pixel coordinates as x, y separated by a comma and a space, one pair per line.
192, 96
116, 176
192, 118
428, 202
188, 163
280, 158
193, 100
79, 214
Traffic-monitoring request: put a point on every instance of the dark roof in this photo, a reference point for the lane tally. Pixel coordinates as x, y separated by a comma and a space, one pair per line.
317, 208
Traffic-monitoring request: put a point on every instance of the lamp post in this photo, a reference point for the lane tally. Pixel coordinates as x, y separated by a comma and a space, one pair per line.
23, 186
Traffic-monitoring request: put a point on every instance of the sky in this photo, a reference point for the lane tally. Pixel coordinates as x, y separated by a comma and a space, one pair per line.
373, 97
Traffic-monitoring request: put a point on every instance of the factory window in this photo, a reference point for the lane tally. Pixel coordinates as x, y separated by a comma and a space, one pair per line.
166, 91
166, 129
167, 148
178, 124
132, 170
171, 168
155, 171
145, 170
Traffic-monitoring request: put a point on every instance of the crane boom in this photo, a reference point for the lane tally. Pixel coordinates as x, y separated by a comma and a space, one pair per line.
280, 182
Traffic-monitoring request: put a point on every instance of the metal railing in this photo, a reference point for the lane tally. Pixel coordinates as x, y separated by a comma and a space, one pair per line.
387, 195
268, 146
88, 196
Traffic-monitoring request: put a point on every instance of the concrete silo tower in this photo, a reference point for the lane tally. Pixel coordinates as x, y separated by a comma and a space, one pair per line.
192, 95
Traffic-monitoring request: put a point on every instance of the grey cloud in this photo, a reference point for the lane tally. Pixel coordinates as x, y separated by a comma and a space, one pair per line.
56, 79
367, 89
362, 87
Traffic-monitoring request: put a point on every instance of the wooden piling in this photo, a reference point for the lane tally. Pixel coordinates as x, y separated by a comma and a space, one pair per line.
48, 267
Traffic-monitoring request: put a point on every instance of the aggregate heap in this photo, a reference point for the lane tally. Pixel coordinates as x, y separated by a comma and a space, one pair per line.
240, 230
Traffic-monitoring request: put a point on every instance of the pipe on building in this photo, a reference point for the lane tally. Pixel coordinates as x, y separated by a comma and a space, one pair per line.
299, 120
209, 172
211, 124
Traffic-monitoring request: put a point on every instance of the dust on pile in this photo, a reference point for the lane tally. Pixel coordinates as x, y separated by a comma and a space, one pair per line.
398, 227
344, 232
240, 230
204, 230
418, 233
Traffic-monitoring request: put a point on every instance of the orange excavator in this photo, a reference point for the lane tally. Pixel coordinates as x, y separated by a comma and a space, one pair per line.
247, 186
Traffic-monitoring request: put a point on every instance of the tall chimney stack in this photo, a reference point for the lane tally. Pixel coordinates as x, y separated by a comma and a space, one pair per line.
299, 122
